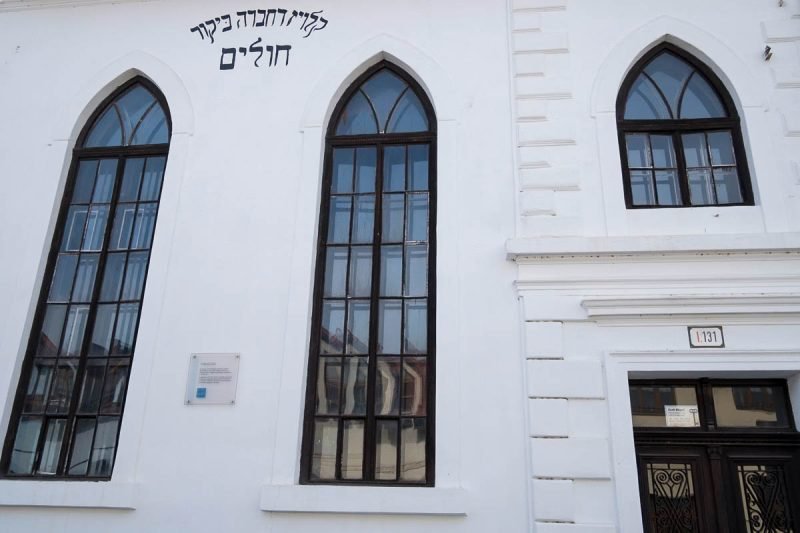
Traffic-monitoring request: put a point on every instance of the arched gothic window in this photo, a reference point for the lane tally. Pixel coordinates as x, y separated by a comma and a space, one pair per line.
679, 134
68, 408
369, 399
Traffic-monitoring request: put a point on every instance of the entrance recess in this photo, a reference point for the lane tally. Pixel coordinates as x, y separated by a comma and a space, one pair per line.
716, 456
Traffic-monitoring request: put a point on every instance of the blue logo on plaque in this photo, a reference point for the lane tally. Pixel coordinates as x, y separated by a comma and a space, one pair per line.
201, 392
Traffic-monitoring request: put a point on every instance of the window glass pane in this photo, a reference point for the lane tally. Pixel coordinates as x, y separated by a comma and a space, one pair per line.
701, 188
394, 168
392, 217
81, 446
701, 101
92, 387
355, 386
342, 181
363, 224
726, 183
416, 271
335, 271
408, 116
332, 328
415, 386
124, 333
123, 226
323, 458
153, 129
63, 277
417, 217
721, 145
638, 150
366, 161
24, 449
339, 222
153, 176
750, 406
649, 405
61, 390
84, 281
95, 228
669, 72
103, 328
391, 270
135, 275
132, 105
644, 102
107, 131
387, 387
389, 320
132, 177
695, 150
105, 445
642, 187
357, 117
360, 271
663, 151
104, 187
329, 385
112, 278
52, 326
668, 187
73, 228
383, 90
116, 383
358, 327
145, 223
386, 450
84, 182
412, 450
38, 386
415, 337
353, 449
418, 167
73, 333
52, 446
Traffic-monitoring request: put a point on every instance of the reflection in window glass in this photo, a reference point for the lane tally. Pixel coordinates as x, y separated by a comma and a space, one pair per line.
750, 406
650, 403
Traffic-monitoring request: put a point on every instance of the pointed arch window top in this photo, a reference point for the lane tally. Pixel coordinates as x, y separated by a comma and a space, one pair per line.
384, 103
670, 88
133, 118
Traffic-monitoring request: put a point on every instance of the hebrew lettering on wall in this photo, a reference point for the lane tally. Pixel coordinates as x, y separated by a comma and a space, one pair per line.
257, 53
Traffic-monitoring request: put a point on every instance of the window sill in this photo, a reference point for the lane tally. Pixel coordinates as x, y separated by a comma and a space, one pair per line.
79, 494
364, 500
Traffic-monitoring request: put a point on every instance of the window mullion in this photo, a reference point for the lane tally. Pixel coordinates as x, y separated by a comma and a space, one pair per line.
683, 172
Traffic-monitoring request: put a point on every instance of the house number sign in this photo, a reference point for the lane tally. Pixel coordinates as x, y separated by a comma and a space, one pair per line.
706, 337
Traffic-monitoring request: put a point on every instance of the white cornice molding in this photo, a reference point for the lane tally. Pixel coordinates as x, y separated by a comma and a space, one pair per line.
524, 250
692, 305
24, 5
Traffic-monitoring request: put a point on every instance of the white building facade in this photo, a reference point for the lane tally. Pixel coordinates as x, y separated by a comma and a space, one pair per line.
592, 324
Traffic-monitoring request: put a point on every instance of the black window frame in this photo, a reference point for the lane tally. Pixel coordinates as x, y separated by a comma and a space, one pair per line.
379, 140
81, 153
677, 127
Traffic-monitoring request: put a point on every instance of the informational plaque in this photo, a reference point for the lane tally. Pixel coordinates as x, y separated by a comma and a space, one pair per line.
706, 337
212, 378
682, 416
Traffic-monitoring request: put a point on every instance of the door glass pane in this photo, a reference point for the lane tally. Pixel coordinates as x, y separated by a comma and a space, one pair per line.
765, 499
353, 449
749, 406
386, 450
387, 388
323, 458
654, 406
412, 449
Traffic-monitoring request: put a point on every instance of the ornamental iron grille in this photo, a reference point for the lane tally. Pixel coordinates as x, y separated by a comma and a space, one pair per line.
369, 398
764, 498
71, 395
679, 134
671, 491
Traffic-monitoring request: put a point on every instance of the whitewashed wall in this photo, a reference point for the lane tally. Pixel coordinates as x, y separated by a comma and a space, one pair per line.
232, 265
